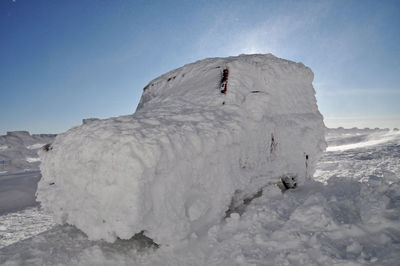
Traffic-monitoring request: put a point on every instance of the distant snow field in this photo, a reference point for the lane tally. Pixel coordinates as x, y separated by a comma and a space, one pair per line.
19, 151
35, 146
375, 138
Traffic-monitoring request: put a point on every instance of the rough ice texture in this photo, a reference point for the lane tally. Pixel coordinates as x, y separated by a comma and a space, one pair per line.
172, 168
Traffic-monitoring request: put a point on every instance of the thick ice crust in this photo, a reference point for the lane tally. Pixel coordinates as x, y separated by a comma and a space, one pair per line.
172, 168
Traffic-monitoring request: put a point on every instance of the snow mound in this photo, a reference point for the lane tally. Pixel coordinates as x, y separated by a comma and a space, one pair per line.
198, 137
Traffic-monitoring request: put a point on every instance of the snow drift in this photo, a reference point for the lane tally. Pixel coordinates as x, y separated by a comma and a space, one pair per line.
195, 141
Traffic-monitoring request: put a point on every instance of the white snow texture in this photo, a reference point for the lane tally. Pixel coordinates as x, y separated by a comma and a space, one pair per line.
172, 168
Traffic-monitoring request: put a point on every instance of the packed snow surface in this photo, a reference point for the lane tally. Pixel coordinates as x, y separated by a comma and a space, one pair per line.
189, 154
17, 191
352, 217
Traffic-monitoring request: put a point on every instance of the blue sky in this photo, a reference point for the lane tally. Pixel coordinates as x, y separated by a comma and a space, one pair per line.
61, 61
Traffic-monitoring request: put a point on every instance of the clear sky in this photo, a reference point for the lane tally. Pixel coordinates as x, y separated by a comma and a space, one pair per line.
61, 61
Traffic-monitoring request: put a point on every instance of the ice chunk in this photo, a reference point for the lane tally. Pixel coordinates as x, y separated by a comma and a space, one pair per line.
32, 159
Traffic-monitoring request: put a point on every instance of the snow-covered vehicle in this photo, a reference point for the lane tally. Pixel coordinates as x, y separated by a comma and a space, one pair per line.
172, 169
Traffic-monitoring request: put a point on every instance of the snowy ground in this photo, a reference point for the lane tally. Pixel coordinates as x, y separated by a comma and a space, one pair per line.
350, 217
17, 191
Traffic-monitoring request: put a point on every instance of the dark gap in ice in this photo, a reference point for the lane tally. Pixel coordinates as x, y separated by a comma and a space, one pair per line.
240, 207
287, 182
146, 242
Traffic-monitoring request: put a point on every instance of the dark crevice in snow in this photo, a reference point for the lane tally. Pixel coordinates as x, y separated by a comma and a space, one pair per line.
224, 80
289, 181
239, 206
145, 241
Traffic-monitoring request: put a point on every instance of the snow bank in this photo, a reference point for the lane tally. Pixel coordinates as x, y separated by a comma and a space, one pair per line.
172, 168
345, 222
